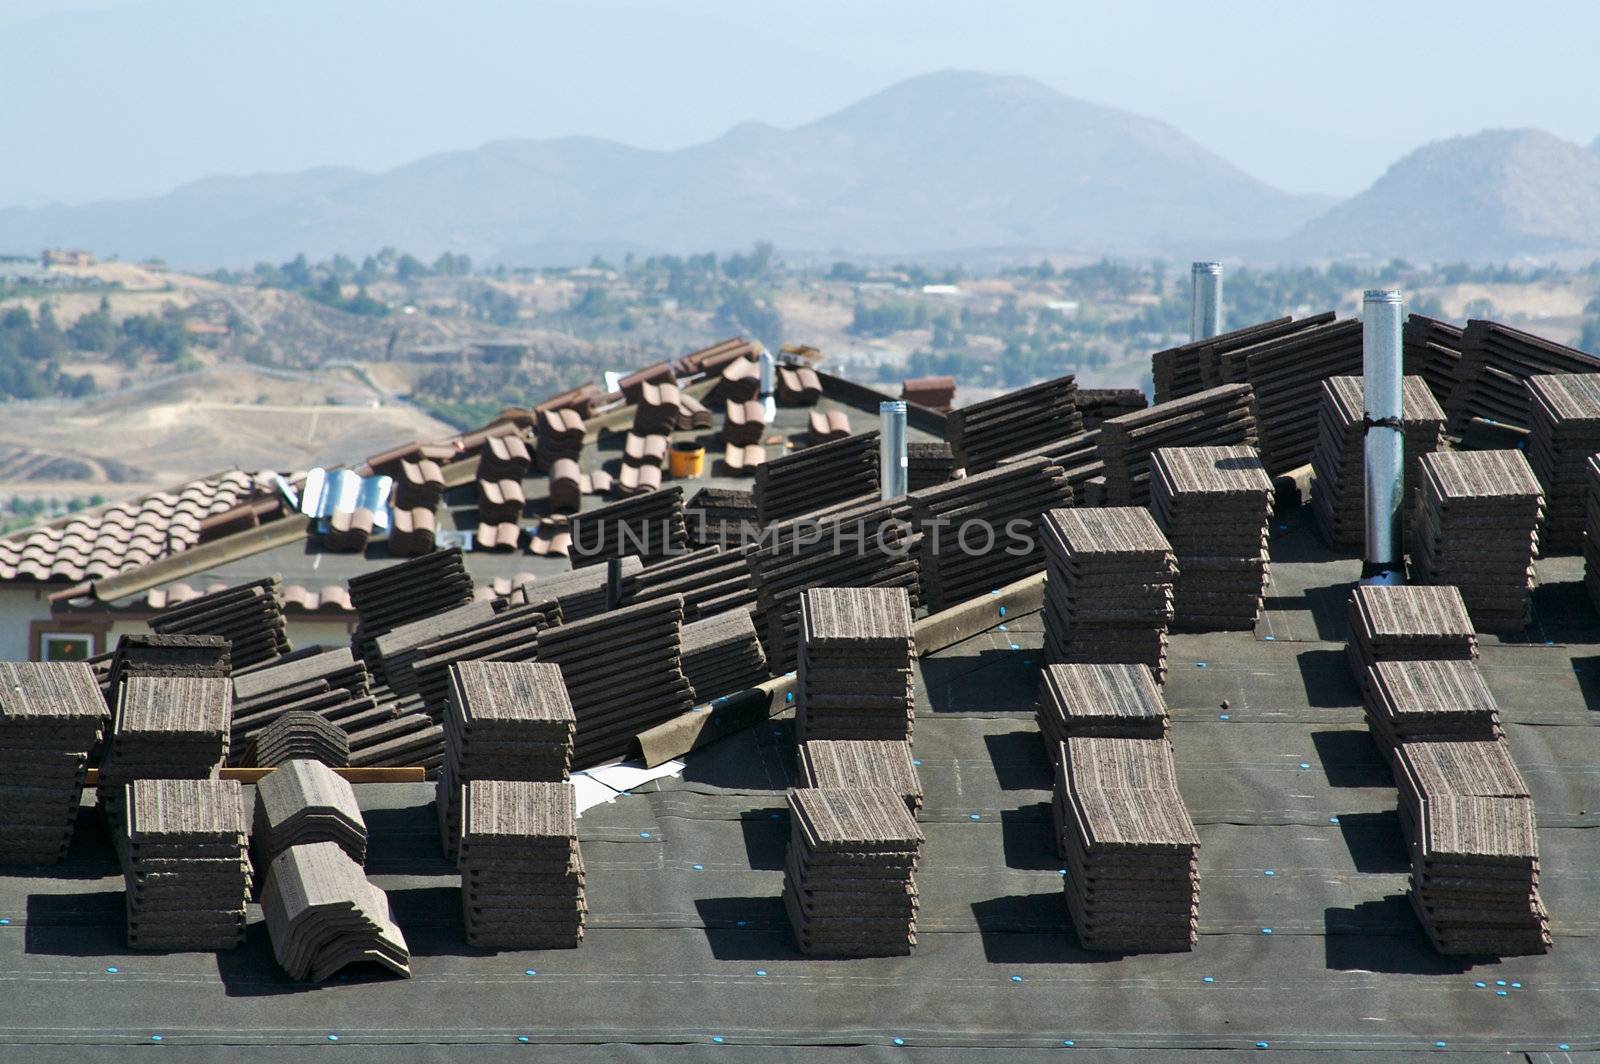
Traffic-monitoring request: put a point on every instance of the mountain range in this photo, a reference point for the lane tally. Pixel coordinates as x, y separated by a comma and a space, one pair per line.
940, 164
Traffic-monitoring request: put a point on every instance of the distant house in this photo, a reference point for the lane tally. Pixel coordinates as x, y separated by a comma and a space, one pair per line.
496, 352
65, 257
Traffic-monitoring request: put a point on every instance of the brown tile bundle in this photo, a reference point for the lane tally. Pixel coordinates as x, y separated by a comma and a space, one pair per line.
1477, 529
1432, 351
503, 462
418, 487
1591, 530
623, 673
182, 845
722, 654
522, 876
744, 423
1338, 463
722, 516
864, 546
510, 636
849, 884
1105, 701
1496, 361
798, 386
858, 763
1565, 410
249, 616
1214, 504
1133, 881
650, 526
816, 478
648, 450
1217, 417
323, 914
404, 592
301, 734
826, 427
855, 679
303, 802
981, 434
711, 580
559, 434
739, 382
935, 393
566, 486
333, 684
1079, 458
980, 533
51, 714
1193, 367
506, 721
170, 655
692, 414
657, 412
1474, 850
1108, 589
928, 464
166, 727
1102, 404
1408, 622
1285, 374
1414, 701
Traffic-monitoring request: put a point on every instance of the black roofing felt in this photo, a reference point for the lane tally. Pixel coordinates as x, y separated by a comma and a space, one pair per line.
687, 940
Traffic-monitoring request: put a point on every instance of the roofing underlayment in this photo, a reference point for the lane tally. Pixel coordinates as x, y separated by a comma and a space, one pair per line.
1306, 939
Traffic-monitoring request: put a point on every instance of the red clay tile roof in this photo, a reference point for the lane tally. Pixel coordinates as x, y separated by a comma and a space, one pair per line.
124, 535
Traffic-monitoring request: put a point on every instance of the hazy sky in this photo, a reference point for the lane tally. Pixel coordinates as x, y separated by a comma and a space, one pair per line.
107, 98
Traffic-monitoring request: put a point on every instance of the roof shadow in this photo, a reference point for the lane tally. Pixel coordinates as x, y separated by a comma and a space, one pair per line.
766, 837
1027, 835
1365, 939
1325, 607
991, 681
1019, 761
757, 758
1327, 679
80, 924
748, 928
1351, 759
1587, 671
405, 842
252, 970
90, 855
1376, 842
1032, 929
431, 919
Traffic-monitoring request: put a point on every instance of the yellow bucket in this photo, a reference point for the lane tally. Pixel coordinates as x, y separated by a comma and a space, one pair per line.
686, 459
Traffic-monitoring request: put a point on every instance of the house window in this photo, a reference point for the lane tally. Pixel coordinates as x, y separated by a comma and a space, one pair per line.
66, 646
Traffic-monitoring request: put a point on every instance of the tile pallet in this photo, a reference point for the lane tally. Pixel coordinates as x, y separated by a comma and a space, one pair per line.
522, 873
1565, 411
981, 434
184, 863
1099, 701
722, 654
250, 616
1217, 417
858, 763
51, 717
1213, 505
855, 674
816, 478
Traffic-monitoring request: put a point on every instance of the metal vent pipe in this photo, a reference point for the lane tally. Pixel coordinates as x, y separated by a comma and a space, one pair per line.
769, 385
1382, 314
892, 469
1205, 300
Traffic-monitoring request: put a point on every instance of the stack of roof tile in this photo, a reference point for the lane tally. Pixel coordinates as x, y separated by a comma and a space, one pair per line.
502, 464
1101, 404
418, 487
323, 914
643, 476
645, 451
1432, 351
1079, 458
744, 423
722, 654
650, 526
982, 433
581, 399
333, 684
935, 393
623, 674
1133, 881
1213, 504
408, 591
855, 679
522, 877
1408, 622
817, 477
50, 719
711, 580
166, 727
559, 435
1477, 528
399, 648
798, 386
1566, 432
857, 763
1474, 850
1285, 375
509, 636
830, 426
863, 546
1422, 700
1338, 464
692, 413
720, 516
1496, 361
1107, 701
928, 464
850, 881
1591, 530
301, 734
657, 412
739, 382
302, 802
249, 616
182, 844
632, 386
170, 655
1216, 417
566, 486
579, 593
1108, 592
981, 532
1193, 367
506, 721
